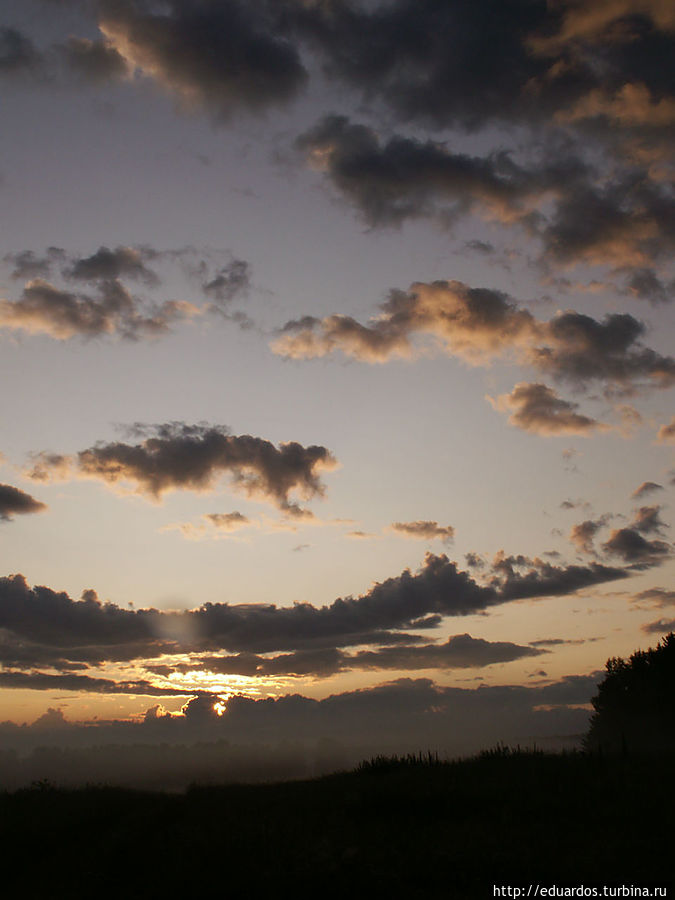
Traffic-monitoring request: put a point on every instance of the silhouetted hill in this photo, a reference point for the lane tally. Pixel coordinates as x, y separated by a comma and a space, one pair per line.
391, 828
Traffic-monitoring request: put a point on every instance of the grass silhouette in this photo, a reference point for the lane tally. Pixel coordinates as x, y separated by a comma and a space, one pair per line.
409, 826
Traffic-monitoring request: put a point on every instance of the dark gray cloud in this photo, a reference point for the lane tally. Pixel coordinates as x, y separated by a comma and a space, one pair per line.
557, 642
628, 222
228, 282
458, 652
94, 61
42, 626
424, 530
113, 310
442, 63
106, 304
221, 57
110, 265
176, 456
578, 349
28, 265
407, 178
578, 217
36, 681
633, 548
644, 284
538, 409
480, 325
520, 577
659, 597
661, 626
18, 55
16, 502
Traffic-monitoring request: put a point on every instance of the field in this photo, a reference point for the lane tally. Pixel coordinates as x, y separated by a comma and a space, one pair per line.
394, 827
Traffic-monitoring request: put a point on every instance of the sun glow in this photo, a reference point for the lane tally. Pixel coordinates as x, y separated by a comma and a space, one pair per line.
219, 708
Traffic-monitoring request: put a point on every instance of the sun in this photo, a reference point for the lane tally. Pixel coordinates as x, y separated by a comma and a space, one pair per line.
219, 708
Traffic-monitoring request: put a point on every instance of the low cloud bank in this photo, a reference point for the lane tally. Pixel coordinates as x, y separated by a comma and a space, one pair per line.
292, 736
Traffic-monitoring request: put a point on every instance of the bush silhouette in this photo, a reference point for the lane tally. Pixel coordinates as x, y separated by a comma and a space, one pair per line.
635, 703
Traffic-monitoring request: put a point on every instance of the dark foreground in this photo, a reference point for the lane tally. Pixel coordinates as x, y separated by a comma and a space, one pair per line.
388, 830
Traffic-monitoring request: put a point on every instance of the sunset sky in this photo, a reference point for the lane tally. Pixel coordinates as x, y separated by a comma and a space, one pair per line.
337, 357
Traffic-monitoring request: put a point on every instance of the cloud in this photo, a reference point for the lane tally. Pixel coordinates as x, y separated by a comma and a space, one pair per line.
27, 264
628, 222
110, 265
39, 626
476, 324
407, 178
629, 544
228, 282
538, 409
442, 64
647, 521
480, 325
176, 456
592, 22
94, 61
659, 597
216, 525
458, 652
16, 502
17, 53
647, 487
424, 530
661, 626
219, 57
643, 284
37, 681
250, 740
582, 534
666, 434
60, 314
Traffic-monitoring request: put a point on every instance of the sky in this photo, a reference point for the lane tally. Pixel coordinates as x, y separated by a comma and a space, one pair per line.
336, 344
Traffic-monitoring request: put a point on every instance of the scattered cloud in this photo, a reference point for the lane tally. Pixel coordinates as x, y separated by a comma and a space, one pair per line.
480, 325
110, 265
661, 626
647, 521
458, 652
582, 534
666, 433
629, 544
538, 409
94, 61
177, 456
658, 596
647, 487
424, 530
16, 502
18, 54
407, 178
46, 309
219, 58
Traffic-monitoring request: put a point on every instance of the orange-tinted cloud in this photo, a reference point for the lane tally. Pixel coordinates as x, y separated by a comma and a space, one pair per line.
176, 456
538, 409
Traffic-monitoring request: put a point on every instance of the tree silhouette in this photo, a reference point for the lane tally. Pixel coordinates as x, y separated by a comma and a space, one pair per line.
635, 703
